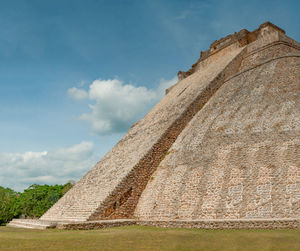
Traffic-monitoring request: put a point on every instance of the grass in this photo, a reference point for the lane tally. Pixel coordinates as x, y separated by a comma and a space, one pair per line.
148, 238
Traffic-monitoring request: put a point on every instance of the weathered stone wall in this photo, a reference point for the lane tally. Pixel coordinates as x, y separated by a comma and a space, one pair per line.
112, 188
122, 205
239, 157
203, 224
227, 224
88, 225
268, 52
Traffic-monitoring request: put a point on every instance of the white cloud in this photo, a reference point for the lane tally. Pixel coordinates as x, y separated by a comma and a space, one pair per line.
165, 84
19, 170
116, 105
76, 93
77, 152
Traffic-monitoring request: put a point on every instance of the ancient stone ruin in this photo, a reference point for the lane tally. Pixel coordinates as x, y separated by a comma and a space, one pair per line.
220, 150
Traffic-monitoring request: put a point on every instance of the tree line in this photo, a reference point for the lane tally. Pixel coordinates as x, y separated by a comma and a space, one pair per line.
32, 203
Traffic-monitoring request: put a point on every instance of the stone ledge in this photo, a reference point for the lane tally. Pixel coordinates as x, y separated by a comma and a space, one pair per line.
31, 223
200, 224
281, 223
95, 224
227, 224
260, 64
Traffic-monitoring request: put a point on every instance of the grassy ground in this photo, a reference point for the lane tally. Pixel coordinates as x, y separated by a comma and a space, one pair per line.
148, 238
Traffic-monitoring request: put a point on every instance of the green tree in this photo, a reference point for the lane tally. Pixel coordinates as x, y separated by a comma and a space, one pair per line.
8, 204
37, 199
32, 203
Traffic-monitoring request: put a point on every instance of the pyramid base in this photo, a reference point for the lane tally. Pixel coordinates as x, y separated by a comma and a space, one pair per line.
89, 225
284, 223
281, 223
69, 225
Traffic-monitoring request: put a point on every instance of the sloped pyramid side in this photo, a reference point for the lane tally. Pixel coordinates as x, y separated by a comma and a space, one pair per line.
113, 187
239, 157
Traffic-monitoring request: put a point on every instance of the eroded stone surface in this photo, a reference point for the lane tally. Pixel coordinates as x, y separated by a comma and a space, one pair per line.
239, 157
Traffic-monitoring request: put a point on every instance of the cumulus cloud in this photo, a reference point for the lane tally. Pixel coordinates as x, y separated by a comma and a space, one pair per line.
115, 106
19, 170
76, 93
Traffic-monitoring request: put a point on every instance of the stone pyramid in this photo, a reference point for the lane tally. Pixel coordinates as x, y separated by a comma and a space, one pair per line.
220, 150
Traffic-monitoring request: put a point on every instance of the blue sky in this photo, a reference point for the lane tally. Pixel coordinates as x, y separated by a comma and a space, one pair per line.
74, 75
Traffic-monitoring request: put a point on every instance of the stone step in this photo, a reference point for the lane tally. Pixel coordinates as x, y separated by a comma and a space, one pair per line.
70, 218
19, 225
88, 225
31, 223
69, 224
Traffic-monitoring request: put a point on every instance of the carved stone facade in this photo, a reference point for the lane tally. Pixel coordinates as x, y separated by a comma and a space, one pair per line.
222, 148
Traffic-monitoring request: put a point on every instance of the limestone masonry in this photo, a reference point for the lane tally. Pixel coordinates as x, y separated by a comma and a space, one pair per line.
220, 150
